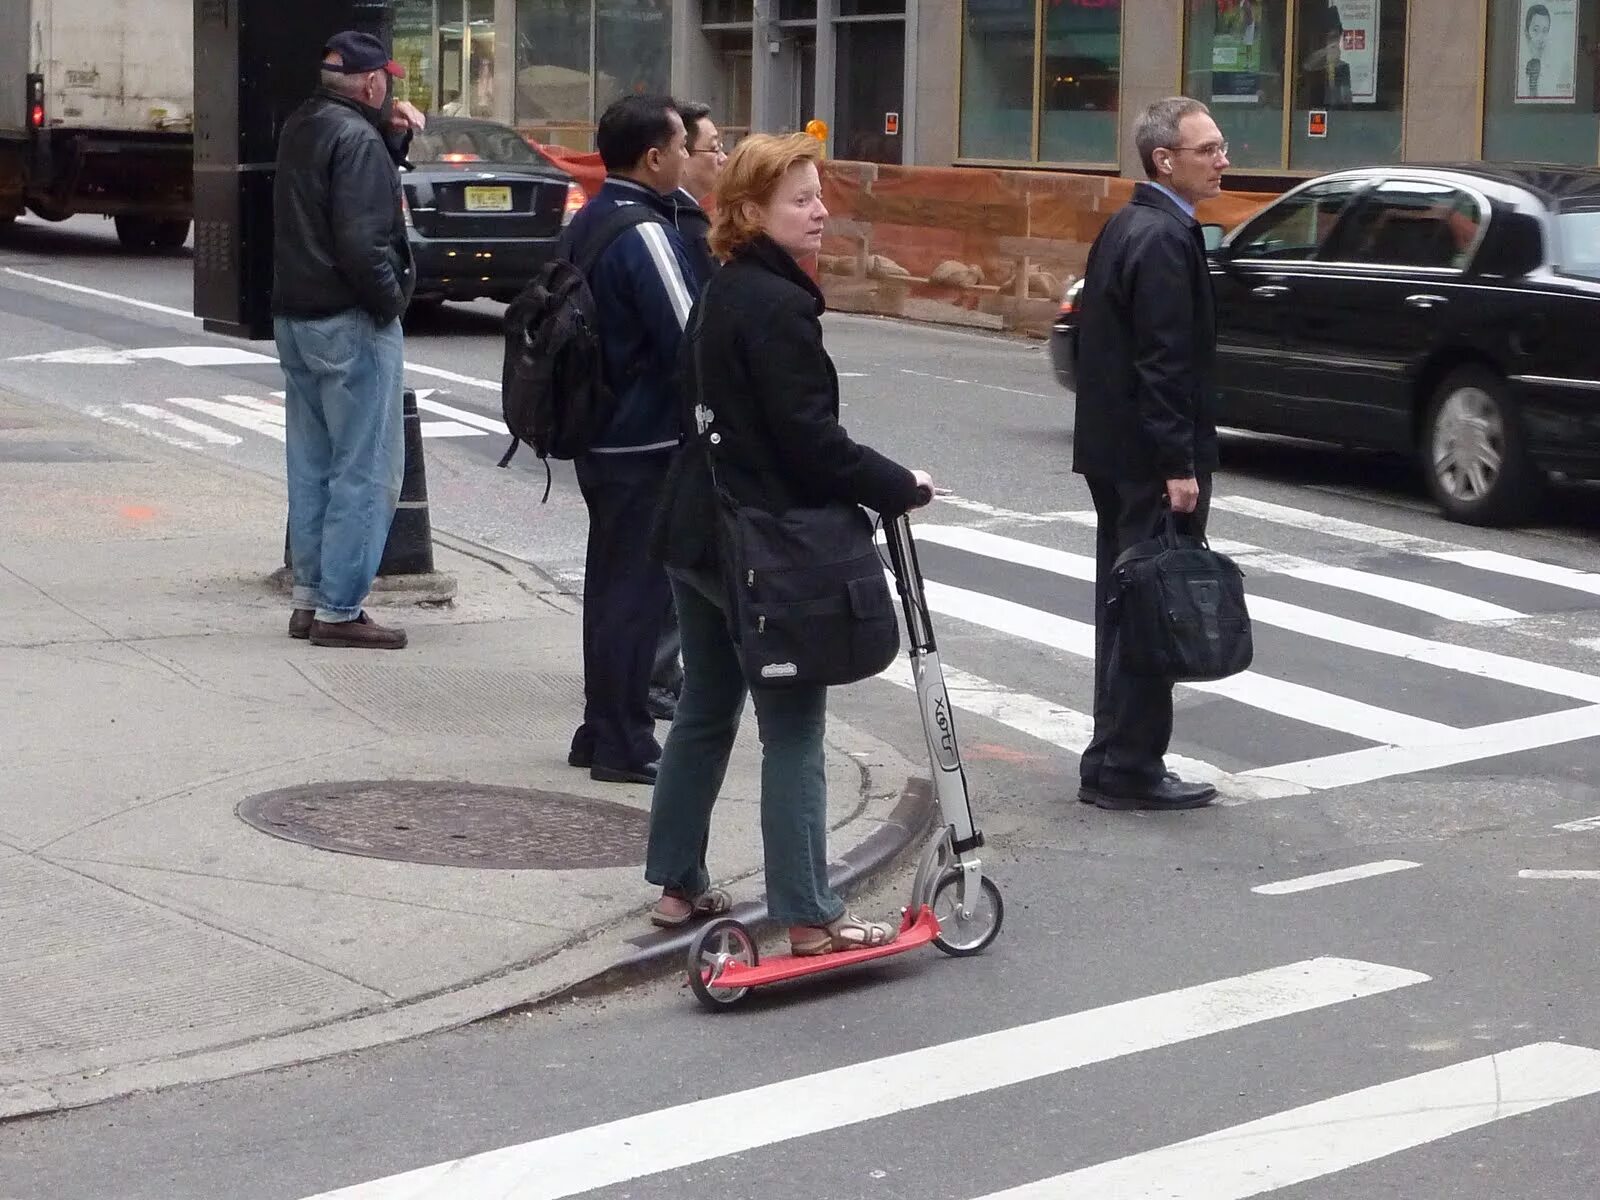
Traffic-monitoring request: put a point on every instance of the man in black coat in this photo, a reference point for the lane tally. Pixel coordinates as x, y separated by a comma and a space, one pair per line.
1144, 434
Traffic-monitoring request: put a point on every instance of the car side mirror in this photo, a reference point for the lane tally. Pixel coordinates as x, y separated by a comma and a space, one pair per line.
1213, 235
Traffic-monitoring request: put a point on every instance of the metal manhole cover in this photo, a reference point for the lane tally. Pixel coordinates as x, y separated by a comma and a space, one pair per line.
454, 824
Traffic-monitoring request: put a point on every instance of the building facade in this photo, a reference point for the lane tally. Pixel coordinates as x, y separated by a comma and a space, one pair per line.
1298, 86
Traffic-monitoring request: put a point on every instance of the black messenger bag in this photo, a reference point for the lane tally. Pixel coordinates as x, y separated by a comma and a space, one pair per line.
808, 602
1178, 610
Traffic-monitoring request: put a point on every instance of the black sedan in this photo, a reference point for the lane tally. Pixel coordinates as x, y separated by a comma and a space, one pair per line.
1451, 313
483, 210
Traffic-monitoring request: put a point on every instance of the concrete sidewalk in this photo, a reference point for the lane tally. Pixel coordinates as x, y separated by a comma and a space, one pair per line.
159, 923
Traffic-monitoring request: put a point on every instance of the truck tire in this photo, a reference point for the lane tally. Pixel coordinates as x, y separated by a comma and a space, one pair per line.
171, 235
135, 233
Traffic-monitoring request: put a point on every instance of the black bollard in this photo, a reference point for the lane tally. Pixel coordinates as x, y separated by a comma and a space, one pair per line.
409, 550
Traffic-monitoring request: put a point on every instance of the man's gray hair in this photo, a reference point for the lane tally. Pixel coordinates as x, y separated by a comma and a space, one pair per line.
1157, 127
348, 86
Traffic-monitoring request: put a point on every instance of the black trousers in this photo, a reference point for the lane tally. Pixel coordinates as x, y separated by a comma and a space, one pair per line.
625, 594
1132, 714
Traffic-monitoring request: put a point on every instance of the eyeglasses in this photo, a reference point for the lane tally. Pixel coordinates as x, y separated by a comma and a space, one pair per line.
716, 150
1209, 150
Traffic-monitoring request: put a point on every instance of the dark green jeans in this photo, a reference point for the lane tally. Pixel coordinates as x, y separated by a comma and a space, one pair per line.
794, 788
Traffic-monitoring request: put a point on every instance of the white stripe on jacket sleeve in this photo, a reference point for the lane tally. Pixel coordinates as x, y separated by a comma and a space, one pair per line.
655, 241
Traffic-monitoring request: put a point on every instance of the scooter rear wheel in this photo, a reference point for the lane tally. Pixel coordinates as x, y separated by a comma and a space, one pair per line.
719, 943
958, 936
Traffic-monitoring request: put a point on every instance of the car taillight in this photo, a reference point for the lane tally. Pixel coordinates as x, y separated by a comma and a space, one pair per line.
1069, 302
459, 157
405, 208
576, 199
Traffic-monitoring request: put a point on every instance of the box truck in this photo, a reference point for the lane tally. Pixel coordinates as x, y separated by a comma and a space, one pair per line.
97, 114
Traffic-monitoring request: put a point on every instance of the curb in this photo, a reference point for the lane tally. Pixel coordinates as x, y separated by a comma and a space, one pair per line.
904, 828
513, 990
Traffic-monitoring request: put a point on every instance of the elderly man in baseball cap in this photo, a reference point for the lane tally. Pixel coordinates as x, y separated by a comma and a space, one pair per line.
342, 278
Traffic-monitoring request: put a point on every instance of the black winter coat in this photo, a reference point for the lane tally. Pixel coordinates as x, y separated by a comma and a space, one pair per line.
339, 236
695, 229
771, 411
1147, 342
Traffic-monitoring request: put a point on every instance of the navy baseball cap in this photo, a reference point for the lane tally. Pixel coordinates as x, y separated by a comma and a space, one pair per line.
359, 53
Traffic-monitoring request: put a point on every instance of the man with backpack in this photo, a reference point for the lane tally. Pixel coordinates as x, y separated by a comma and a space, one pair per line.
641, 283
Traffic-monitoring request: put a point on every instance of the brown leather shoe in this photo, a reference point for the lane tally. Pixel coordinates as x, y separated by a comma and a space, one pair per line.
300, 621
362, 633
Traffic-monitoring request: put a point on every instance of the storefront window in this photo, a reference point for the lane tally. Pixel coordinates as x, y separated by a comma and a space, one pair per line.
1235, 64
1078, 80
997, 74
633, 49
1349, 83
552, 97
413, 49
1543, 88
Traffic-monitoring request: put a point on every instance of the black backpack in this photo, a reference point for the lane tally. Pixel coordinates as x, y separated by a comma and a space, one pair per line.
553, 392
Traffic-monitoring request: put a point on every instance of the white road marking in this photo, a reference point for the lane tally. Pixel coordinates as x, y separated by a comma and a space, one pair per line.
601, 1156
1524, 568
1582, 826
1332, 1135
206, 433
1293, 700
465, 416
993, 387
1307, 883
1355, 531
99, 412
1436, 601
1558, 874
1466, 745
448, 429
89, 291
1503, 668
1070, 730
247, 412
122, 356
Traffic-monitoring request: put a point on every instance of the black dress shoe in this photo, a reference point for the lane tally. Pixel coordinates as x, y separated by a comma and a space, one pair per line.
641, 774
300, 621
663, 704
1169, 794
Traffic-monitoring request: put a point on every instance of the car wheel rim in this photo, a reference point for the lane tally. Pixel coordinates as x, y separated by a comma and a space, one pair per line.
1469, 444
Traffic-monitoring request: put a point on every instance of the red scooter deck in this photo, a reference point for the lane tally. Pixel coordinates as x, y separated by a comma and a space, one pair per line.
914, 931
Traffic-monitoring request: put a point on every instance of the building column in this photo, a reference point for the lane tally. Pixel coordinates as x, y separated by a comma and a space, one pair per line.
1152, 68
933, 85
827, 67
505, 61
765, 77
1443, 103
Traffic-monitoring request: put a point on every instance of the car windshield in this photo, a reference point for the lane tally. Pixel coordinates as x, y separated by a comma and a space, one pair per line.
477, 142
1580, 242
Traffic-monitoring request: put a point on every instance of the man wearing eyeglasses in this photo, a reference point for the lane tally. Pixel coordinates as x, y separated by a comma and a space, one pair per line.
706, 158
1144, 434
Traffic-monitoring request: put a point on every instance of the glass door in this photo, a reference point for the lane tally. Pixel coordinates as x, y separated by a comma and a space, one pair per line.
869, 91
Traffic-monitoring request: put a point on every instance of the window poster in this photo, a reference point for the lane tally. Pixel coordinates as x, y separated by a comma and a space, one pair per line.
1236, 52
1342, 66
1547, 43
1358, 46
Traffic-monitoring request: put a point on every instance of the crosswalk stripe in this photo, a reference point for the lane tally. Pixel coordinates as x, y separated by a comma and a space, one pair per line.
1503, 668
465, 415
206, 433
1424, 597
1308, 883
604, 1155
1071, 730
1295, 701
246, 412
1466, 745
1312, 522
1524, 568
1334, 1135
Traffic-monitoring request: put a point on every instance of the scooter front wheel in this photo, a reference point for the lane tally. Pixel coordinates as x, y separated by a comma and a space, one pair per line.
714, 947
962, 936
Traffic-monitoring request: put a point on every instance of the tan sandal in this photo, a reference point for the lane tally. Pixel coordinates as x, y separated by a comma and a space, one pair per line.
848, 932
713, 902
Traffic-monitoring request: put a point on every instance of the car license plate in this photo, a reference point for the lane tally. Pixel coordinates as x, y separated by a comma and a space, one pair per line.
488, 199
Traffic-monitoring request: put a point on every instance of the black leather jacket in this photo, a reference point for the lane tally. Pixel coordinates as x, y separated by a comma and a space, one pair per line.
339, 237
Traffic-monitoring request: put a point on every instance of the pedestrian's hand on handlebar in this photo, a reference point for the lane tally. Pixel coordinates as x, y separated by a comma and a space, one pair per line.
1183, 494
924, 488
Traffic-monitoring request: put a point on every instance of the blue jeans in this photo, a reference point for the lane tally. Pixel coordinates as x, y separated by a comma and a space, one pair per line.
345, 452
794, 784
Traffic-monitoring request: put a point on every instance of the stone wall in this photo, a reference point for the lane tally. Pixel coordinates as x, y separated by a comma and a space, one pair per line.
980, 247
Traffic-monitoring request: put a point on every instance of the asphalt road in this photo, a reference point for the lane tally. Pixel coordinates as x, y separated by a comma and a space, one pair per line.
1423, 716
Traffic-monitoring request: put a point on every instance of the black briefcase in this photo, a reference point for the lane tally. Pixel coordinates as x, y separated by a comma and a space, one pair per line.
1179, 611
